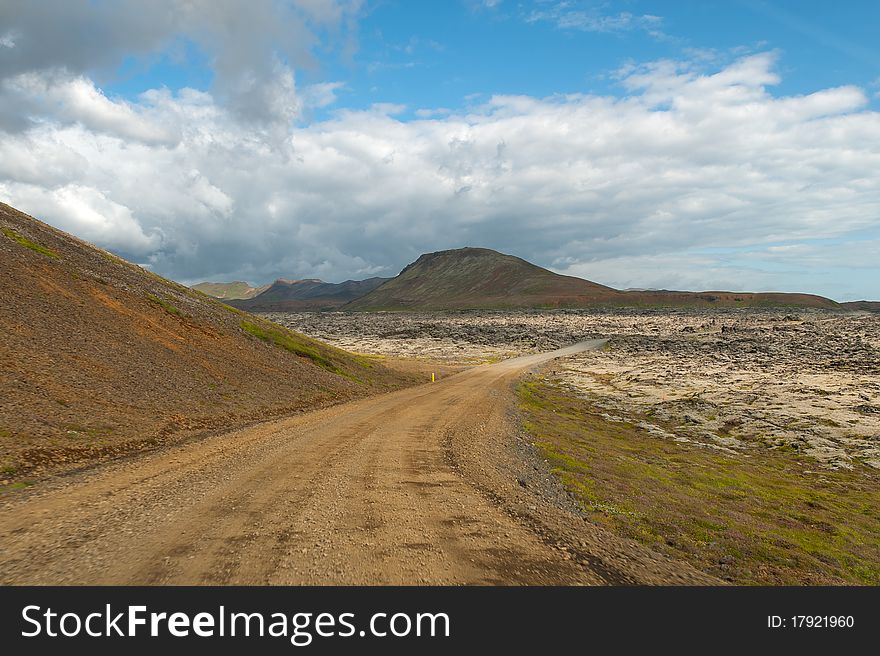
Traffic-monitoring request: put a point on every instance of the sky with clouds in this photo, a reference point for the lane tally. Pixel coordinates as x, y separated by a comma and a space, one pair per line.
704, 144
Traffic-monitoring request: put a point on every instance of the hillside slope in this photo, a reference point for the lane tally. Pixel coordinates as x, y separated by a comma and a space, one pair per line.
311, 294
99, 357
229, 290
480, 278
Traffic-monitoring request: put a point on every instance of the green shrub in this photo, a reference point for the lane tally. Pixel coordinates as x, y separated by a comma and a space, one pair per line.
27, 243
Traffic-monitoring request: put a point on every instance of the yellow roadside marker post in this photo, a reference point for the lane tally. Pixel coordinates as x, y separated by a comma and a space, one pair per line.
432, 377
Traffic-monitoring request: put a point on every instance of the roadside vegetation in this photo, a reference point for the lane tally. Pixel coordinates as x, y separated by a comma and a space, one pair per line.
766, 517
327, 357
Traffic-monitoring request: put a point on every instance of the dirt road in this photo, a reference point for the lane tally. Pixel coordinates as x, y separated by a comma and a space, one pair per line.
413, 487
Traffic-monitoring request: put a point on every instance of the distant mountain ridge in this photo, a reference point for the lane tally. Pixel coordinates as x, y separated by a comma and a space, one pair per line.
869, 306
309, 294
480, 278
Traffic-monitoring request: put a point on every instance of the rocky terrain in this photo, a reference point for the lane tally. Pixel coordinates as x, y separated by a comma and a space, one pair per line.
806, 383
454, 337
746, 443
732, 380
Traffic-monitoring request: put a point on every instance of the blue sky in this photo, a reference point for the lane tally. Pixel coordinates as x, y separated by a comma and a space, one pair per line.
698, 145
450, 53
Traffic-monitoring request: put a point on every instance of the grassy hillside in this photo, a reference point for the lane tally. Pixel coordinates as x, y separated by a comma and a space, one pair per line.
100, 357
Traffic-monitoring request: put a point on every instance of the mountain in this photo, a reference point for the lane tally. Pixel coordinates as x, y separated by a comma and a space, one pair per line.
708, 300
870, 306
229, 290
479, 278
466, 278
312, 294
99, 357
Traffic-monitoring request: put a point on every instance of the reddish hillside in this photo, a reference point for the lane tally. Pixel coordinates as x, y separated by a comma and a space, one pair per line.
98, 356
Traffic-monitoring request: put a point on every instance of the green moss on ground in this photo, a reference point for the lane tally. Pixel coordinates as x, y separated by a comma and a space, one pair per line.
233, 310
18, 485
168, 307
756, 518
27, 243
326, 357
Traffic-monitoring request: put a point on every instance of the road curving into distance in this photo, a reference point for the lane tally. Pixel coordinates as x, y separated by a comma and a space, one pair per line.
417, 486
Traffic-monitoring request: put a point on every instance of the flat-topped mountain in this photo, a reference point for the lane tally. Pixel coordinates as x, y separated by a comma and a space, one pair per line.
480, 278
869, 306
310, 294
229, 290
99, 356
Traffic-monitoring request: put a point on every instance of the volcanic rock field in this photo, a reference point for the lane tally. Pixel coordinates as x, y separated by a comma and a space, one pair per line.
728, 380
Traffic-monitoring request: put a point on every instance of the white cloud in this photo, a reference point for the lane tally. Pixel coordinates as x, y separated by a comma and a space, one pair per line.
322, 94
88, 214
634, 191
77, 100
567, 15
253, 46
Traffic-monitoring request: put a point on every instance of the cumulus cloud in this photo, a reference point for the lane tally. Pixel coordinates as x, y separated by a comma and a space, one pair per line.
253, 47
640, 190
89, 214
76, 100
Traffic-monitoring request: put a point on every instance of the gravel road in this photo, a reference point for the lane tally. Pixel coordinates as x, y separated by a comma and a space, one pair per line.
409, 487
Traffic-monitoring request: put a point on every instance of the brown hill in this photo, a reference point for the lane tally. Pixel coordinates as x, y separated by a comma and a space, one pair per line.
229, 290
665, 298
870, 306
480, 278
99, 357
292, 295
